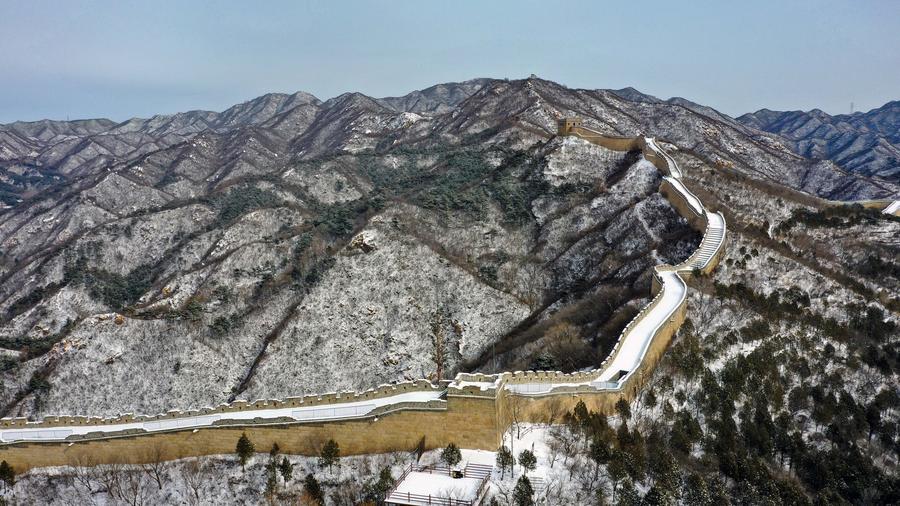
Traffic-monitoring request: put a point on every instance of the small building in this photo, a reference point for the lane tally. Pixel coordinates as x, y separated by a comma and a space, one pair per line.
441, 486
565, 125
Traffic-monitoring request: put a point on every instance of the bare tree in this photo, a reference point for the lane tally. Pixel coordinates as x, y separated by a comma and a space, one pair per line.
193, 473
154, 465
83, 475
704, 311
132, 488
566, 347
566, 441
516, 405
586, 476
439, 344
531, 283
553, 410
555, 449
110, 476
553, 491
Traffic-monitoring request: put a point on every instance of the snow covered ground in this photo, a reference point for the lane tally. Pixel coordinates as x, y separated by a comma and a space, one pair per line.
422, 487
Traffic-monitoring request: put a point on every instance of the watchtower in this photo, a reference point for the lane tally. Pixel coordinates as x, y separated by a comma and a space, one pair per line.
565, 125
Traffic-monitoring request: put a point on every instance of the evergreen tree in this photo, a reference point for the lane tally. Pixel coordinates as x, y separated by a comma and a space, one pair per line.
505, 460
599, 453
623, 435
378, 491
274, 451
7, 474
650, 399
617, 468
665, 471
244, 449
656, 497
523, 494
623, 409
313, 489
330, 455
527, 460
580, 417
286, 469
271, 480
873, 417
695, 490
451, 455
628, 496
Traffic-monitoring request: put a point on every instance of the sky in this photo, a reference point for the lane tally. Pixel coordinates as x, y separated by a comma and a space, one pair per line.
121, 59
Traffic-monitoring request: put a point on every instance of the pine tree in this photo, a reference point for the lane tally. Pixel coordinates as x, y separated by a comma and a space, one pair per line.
505, 460
527, 460
383, 485
7, 474
244, 449
599, 453
523, 494
274, 451
271, 480
313, 489
628, 496
617, 468
656, 497
695, 490
286, 469
451, 455
623, 409
330, 455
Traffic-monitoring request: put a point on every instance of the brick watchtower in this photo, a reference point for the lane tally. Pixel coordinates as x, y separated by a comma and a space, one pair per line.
566, 125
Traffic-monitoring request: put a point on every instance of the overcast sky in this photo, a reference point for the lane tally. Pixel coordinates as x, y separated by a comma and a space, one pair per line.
117, 59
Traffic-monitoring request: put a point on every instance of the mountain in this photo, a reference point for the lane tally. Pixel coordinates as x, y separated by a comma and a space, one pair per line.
863, 143
435, 99
290, 245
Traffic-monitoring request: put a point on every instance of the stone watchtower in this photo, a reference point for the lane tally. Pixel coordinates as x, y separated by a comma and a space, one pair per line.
565, 125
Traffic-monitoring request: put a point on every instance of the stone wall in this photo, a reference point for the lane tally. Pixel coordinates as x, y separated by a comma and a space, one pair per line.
469, 422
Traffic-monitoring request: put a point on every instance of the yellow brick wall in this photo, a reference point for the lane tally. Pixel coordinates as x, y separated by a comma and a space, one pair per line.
470, 423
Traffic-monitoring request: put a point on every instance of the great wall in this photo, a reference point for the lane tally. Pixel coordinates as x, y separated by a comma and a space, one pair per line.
473, 410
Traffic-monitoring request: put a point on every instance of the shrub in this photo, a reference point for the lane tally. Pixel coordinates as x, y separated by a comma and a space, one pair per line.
223, 324
451, 455
241, 200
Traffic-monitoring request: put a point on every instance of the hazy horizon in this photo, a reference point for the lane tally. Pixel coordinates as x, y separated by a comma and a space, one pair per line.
100, 59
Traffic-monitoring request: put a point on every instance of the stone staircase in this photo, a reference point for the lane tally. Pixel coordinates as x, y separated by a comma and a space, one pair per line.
710, 244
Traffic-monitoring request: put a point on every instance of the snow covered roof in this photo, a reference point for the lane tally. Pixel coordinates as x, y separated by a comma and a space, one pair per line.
438, 487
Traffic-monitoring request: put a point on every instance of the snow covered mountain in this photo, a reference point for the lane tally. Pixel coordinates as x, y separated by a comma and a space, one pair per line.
345, 228
863, 143
290, 245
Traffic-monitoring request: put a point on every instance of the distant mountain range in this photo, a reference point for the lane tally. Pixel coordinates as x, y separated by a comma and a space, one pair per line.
863, 147
864, 143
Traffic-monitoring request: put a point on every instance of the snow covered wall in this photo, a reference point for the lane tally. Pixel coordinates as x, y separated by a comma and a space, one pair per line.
473, 410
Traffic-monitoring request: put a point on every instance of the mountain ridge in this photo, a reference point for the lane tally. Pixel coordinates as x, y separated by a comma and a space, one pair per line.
867, 143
